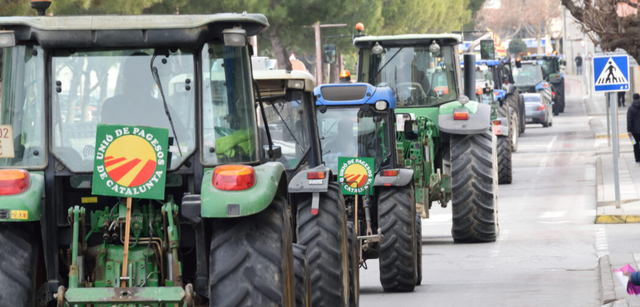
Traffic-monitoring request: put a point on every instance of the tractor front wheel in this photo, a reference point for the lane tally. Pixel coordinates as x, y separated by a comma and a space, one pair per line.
303, 277
396, 217
251, 259
354, 266
504, 160
18, 264
474, 187
419, 249
325, 236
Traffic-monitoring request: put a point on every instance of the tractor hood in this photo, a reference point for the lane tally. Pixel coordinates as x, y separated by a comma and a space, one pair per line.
129, 31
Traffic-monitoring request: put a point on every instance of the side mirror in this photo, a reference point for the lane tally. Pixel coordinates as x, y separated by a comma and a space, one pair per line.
501, 102
518, 64
276, 154
411, 130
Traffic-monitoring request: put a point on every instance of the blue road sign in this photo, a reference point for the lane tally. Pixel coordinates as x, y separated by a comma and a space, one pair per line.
611, 73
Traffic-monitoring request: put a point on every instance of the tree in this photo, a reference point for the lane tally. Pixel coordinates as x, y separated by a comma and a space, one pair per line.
516, 46
513, 17
612, 24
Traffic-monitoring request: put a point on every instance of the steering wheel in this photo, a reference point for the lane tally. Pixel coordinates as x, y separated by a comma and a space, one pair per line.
407, 90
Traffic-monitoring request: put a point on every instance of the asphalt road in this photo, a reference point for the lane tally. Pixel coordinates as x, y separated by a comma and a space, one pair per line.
547, 251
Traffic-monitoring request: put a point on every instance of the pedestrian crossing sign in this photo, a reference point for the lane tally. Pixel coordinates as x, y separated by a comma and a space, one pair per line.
611, 73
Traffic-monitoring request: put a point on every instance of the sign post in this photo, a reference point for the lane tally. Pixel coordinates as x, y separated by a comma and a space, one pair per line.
355, 176
610, 75
131, 162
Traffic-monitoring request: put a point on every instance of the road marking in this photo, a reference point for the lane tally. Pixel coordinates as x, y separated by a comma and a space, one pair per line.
553, 214
602, 248
553, 140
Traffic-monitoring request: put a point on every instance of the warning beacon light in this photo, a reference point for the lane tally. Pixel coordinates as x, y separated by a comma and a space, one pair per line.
359, 27
345, 76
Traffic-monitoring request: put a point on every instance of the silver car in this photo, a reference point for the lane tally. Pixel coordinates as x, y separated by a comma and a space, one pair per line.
538, 109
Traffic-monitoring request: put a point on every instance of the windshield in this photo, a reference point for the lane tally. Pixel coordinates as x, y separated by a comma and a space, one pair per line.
288, 124
228, 114
22, 108
528, 74
351, 132
418, 77
117, 87
548, 66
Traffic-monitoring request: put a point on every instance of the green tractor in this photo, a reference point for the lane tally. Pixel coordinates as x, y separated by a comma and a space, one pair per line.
446, 138
219, 234
550, 64
317, 202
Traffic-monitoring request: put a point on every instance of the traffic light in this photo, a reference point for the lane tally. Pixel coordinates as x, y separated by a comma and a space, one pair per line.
329, 54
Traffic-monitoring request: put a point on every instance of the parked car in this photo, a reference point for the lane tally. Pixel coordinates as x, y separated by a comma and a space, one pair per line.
538, 109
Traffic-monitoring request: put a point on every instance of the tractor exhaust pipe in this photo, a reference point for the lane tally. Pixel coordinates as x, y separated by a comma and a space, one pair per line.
470, 76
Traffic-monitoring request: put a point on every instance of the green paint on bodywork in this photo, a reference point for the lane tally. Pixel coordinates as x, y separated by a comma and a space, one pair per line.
28, 201
133, 297
214, 202
430, 113
448, 108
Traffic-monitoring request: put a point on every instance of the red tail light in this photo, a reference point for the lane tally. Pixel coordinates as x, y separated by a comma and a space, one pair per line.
391, 173
461, 114
497, 122
233, 177
13, 181
544, 85
553, 94
315, 175
540, 108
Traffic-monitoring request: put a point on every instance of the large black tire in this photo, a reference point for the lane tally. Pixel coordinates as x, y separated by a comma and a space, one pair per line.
302, 275
474, 187
251, 259
18, 264
354, 266
514, 123
504, 160
419, 249
396, 218
560, 95
522, 115
325, 236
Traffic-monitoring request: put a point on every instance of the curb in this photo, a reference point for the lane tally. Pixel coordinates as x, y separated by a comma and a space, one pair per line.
607, 287
617, 219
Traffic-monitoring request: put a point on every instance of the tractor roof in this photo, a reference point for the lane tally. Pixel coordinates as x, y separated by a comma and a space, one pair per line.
129, 31
407, 39
281, 75
353, 94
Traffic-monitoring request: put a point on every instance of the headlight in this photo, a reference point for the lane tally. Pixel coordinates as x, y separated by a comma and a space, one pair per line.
381, 105
296, 84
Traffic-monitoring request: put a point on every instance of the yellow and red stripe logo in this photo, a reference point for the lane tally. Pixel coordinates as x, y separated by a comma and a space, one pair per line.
130, 161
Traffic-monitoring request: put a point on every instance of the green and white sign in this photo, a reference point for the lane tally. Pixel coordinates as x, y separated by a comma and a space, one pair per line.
355, 175
130, 161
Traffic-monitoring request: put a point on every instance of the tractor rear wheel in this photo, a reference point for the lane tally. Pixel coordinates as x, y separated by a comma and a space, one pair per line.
419, 249
504, 160
474, 187
251, 259
396, 218
354, 266
303, 278
325, 236
18, 264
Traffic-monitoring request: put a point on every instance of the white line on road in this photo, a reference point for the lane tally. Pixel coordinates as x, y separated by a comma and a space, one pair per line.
602, 248
553, 140
552, 214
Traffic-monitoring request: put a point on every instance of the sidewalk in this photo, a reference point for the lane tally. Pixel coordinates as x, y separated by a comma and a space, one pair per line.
611, 293
629, 172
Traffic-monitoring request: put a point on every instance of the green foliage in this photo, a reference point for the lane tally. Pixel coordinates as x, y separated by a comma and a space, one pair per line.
15, 7
516, 46
424, 16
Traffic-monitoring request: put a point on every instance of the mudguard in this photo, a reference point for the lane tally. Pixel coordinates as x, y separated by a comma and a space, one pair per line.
502, 129
24, 207
402, 179
301, 184
479, 118
217, 203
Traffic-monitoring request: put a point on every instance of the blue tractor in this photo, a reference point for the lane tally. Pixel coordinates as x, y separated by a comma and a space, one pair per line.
358, 120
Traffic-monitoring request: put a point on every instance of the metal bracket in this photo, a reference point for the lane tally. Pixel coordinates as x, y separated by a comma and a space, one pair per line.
315, 203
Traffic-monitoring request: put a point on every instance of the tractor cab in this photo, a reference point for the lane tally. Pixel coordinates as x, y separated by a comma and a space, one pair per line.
529, 77
356, 120
552, 74
289, 107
